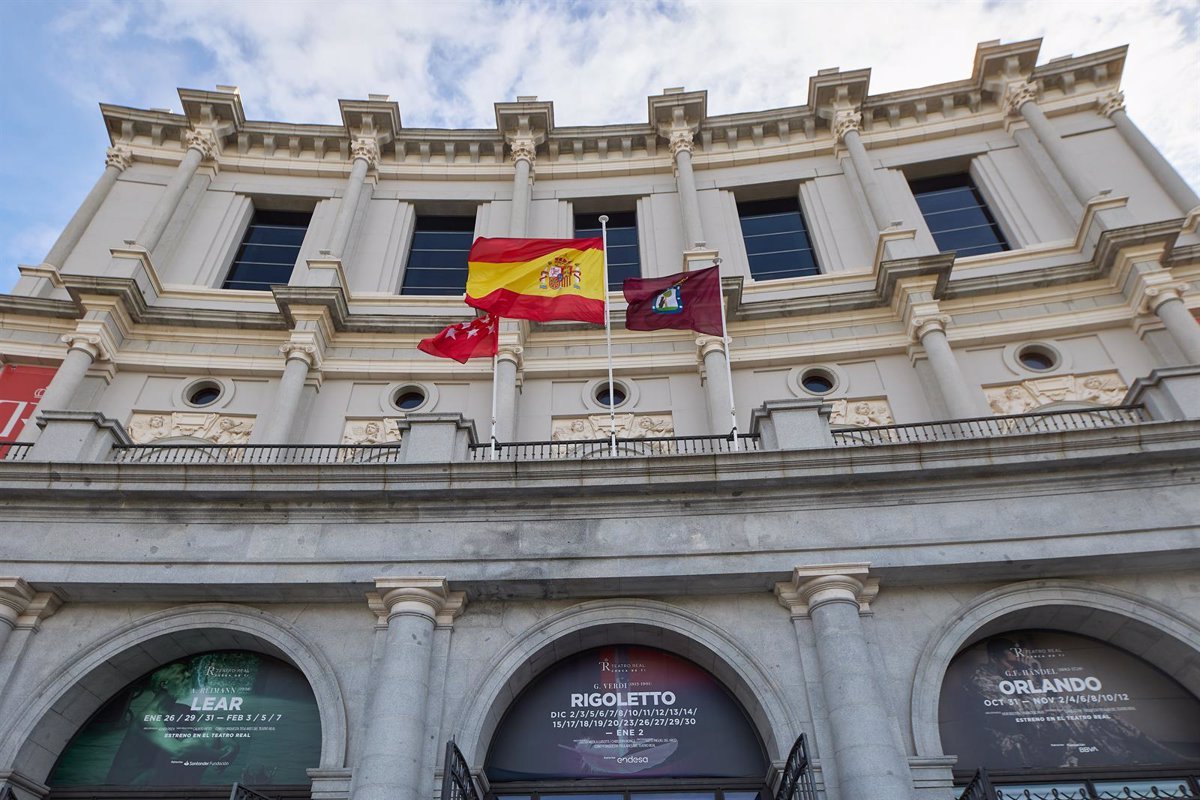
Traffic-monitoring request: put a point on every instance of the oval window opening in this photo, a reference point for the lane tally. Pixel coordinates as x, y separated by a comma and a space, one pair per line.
618, 395
1037, 359
203, 393
408, 398
817, 381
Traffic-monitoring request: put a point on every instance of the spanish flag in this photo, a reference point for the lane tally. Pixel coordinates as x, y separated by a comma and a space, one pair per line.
538, 279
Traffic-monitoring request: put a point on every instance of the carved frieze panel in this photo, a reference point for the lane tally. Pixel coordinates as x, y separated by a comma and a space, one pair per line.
862, 412
1105, 389
147, 427
596, 426
374, 430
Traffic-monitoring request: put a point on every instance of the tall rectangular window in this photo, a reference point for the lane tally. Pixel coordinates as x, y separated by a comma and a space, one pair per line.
269, 250
624, 258
437, 261
776, 238
957, 216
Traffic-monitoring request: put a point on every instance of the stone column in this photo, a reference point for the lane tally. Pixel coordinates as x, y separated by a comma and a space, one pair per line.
523, 153
201, 146
682, 143
300, 358
846, 127
961, 400
390, 766
1112, 106
1021, 98
442, 632
15, 596
21, 613
508, 370
868, 756
117, 161
716, 383
1166, 302
83, 349
365, 152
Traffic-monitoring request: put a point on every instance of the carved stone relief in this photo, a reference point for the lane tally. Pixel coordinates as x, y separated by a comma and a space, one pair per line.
861, 412
381, 430
596, 426
146, 427
1105, 389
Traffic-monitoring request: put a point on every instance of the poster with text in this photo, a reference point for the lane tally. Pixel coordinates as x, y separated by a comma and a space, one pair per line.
207, 719
21, 388
620, 712
1047, 699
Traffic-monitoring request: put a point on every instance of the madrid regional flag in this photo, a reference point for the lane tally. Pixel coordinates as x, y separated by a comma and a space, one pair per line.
464, 341
689, 301
538, 279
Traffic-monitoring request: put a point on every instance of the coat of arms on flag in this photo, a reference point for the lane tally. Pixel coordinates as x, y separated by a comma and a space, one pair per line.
669, 301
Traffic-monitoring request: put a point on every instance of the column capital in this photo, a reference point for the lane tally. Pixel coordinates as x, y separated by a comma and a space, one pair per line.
524, 148
1017, 94
844, 121
1111, 103
709, 344
307, 352
366, 148
921, 326
15, 597
420, 596
91, 343
119, 157
203, 141
814, 586
1155, 296
511, 352
681, 140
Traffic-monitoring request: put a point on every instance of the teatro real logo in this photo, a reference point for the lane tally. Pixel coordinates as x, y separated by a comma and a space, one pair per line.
629, 667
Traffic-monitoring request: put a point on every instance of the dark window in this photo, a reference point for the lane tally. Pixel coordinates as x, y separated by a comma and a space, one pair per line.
624, 260
269, 250
957, 216
776, 237
437, 262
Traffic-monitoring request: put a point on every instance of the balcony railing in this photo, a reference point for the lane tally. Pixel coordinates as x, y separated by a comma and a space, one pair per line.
1182, 787
14, 452
989, 427
257, 454
605, 448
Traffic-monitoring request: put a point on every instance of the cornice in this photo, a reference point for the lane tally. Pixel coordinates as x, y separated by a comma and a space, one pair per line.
39, 307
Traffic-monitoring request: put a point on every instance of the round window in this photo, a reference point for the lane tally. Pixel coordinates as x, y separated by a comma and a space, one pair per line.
408, 398
818, 381
1037, 358
203, 393
615, 397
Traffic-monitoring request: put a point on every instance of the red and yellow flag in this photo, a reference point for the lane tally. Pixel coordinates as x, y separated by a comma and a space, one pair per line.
538, 279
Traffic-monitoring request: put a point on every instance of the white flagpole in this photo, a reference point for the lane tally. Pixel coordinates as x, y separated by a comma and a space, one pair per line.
612, 409
495, 367
725, 342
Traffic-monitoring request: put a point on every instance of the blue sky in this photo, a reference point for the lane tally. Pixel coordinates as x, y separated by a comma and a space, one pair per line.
447, 62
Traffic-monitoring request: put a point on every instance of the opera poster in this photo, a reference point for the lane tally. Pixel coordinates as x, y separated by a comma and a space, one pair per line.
208, 719
620, 712
1039, 699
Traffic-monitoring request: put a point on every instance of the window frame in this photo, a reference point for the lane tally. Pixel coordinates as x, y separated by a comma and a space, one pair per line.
615, 279
807, 252
407, 290
254, 224
957, 181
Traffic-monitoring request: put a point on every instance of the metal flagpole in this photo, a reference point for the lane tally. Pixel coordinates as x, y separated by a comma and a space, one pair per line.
612, 409
495, 367
725, 341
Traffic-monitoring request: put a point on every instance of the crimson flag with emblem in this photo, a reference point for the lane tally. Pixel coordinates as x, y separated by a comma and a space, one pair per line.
479, 337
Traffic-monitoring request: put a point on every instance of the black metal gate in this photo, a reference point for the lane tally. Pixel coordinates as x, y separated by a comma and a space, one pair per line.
457, 783
797, 782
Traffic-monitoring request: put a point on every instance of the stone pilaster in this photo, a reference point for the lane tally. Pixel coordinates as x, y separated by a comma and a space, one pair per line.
962, 401
202, 145
1165, 301
1112, 105
364, 154
301, 354
84, 348
714, 360
1020, 99
22, 610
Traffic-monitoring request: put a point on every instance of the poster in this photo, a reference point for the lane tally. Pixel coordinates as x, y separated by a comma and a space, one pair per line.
625, 711
21, 388
1047, 699
209, 719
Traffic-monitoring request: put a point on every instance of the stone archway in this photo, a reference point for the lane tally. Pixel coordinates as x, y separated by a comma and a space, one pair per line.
45, 722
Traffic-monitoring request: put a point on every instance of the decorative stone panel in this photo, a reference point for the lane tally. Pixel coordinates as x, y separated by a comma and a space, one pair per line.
373, 430
1104, 389
147, 427
596, 426
862, 412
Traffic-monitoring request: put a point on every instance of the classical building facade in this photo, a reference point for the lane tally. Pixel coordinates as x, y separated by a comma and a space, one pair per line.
251, 535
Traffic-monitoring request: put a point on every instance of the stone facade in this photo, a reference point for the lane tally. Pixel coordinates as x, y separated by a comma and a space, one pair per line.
825, 577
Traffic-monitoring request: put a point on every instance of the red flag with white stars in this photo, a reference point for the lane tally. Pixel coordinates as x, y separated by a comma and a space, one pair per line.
479, 337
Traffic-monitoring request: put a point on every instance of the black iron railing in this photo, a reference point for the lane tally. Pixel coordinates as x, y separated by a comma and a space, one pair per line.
257, 454
1183, 787
988, 427
240, 792
797, 781
980, 787
457, 783
605, 448
14, 452
6, 793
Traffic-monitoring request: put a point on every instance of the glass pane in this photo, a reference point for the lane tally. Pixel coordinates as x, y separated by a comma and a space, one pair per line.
268, 254
787, 241
958, 218
269, 250
772, 223
946, 199
586, 796
776, 239
1161, 787
273, 234
964, 237
676, 795
1038, 791
741, 795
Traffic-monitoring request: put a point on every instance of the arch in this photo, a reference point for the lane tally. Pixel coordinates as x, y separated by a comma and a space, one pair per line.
1138, 625
64, 701
631, 621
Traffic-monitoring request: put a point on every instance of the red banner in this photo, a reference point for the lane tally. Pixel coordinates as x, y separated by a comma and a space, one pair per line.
21, 389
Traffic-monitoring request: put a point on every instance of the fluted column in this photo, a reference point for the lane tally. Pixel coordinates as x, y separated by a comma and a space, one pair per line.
1021, 98
300, 358
869, 759
716, 383
390, 766
201, 146
508, 369
846, 128
523, 154
1112, 106
117, 161
365, 153
83, 349
1165, 301
682, 143
961, 400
